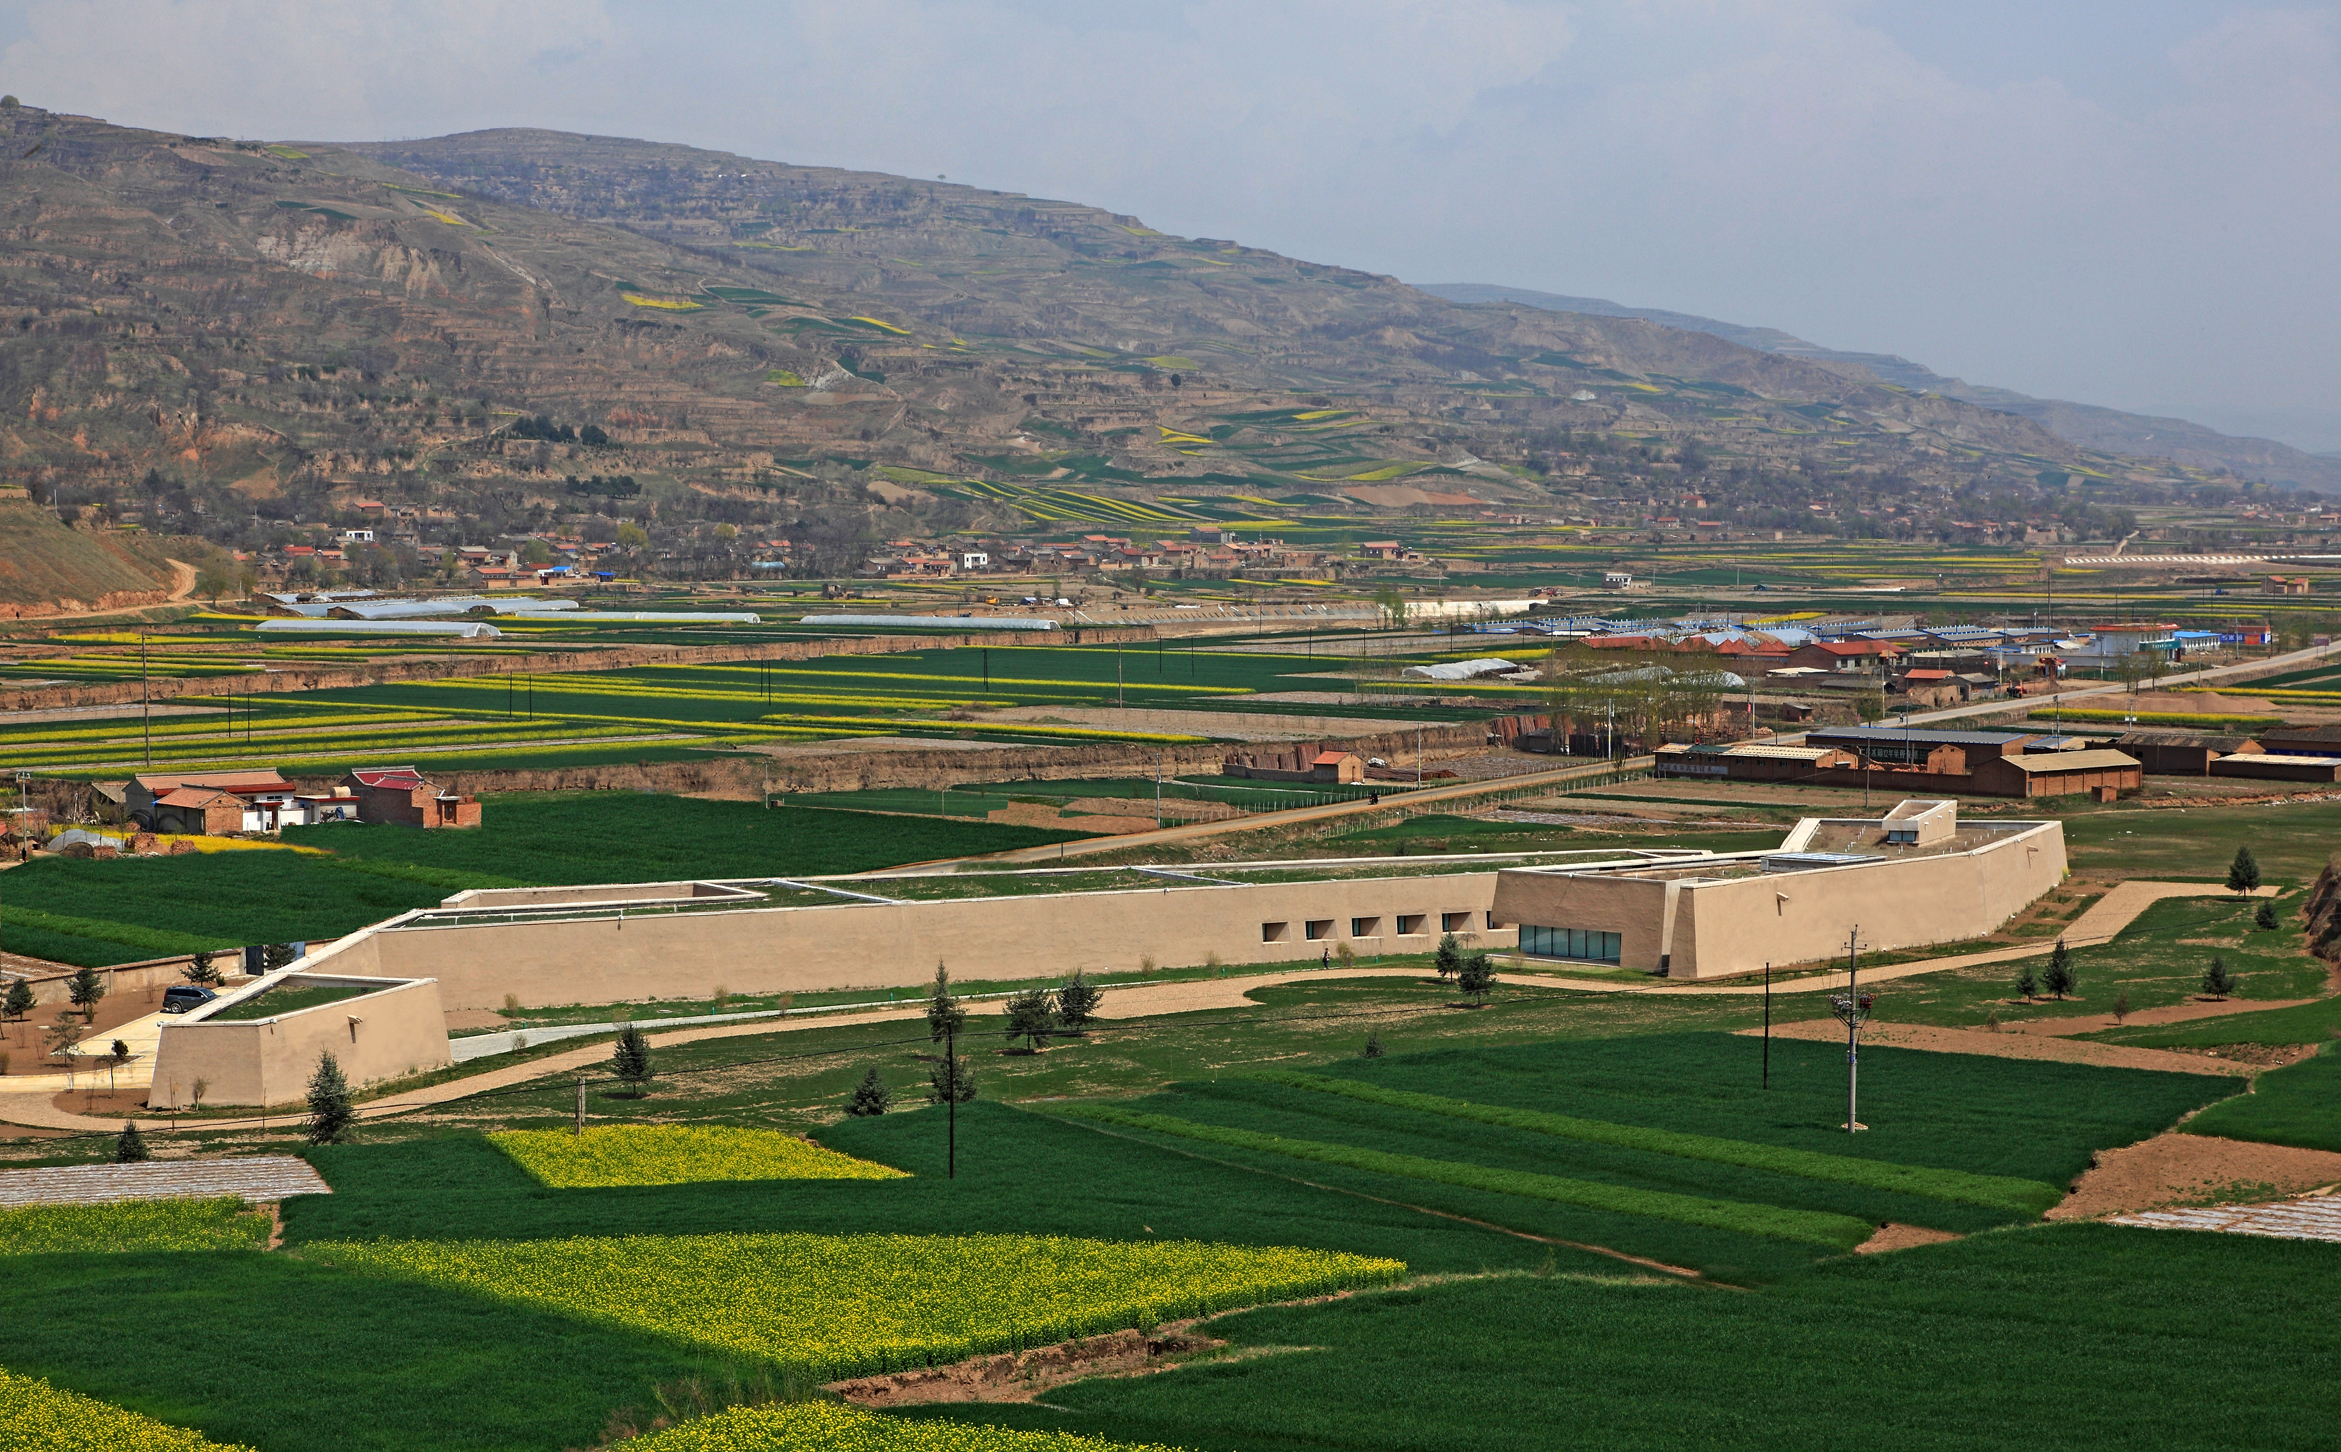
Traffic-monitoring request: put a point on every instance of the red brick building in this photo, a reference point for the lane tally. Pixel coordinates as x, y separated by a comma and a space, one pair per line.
399, 794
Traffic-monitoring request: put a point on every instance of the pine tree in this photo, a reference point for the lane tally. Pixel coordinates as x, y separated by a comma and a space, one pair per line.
1077, 1001
945, 1015
277, 955
20, 999
949, 1078
1477, 976
2217, 981
85, 989
2027, 985
2265, 918
871, 1097
1450, 959
330, 1114
1031, 1016
2060, 971
202, 969
2243, 874
630, 1060
129, 1145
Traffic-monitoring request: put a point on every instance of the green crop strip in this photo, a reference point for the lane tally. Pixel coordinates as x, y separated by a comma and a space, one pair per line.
1998, 1192
1810, 1227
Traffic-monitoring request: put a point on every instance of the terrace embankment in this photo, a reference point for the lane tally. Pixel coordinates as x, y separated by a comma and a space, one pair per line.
274, 681
855, 767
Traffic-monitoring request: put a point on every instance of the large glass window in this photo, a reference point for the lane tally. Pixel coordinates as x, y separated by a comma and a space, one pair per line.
1589, 945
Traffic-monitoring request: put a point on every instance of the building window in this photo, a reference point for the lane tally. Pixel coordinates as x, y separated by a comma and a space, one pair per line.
1365, 927
1275, 932
1319, 928
1410, 925
1584, 944
1454, 922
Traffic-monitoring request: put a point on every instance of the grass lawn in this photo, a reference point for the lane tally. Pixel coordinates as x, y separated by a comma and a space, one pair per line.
1949, 1347
2291, 840
2299, 1105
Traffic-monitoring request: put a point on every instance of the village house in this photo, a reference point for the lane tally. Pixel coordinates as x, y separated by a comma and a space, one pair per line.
399, 794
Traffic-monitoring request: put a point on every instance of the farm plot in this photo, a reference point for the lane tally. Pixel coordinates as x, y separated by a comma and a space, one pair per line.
675, 1154
828, 1427
851, 1305
214, 1224
34, 1414
2299, 1105
123, 911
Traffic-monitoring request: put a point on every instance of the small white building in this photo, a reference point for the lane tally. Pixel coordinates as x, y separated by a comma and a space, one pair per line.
1616, 580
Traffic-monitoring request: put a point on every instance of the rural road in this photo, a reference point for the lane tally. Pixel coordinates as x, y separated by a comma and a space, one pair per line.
1576, 771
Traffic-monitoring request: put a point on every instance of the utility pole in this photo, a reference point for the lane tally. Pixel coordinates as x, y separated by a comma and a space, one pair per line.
1158, 763
145, 700
1117, 675
1767, 1023
951, 1102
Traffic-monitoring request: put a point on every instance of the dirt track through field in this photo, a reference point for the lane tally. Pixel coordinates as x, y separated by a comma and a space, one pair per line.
2006, 1046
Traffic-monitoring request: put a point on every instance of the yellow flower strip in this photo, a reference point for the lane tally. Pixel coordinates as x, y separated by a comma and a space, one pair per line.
833, 1427
37, 1417
222, 1223
676, 1154
848, 1305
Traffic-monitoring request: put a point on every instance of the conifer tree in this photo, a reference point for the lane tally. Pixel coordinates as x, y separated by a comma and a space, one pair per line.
1031, 1016
2060, 979
1373, 1048
85, 989
945, 1015
1077, 1001
330, 1112
2027, 984
2243, 874
129, 1145
20, 999
2265, 918
950, 1078
630, 1060
2217, 981
871, 1097
1477, 976
1450, 959
202, 969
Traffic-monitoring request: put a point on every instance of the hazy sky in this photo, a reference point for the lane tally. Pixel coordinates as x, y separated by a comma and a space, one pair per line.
2129, 202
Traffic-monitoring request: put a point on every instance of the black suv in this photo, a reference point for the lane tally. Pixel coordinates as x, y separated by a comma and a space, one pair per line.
185, 996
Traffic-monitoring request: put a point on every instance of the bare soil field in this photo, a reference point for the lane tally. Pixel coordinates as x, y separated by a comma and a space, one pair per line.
2194, 1169
2009, 1046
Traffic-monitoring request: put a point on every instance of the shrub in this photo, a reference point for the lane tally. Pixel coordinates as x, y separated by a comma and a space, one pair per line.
2121, 1006
871, 1097
1373, 1049
330, 1113
2265, 918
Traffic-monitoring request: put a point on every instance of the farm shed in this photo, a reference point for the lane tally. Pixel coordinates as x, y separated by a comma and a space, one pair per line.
2058, 773
2275, 766
2182, 753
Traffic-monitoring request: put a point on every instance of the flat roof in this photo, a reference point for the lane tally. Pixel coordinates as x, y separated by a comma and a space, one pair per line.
2272, 759
1898, 733
2055, 761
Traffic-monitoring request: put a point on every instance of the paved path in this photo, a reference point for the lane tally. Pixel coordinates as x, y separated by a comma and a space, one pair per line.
2007, 1046
256, 1178
2312, 1217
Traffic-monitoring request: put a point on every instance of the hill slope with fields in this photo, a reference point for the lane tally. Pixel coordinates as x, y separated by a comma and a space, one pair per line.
45, 564
2084, 425
510, 325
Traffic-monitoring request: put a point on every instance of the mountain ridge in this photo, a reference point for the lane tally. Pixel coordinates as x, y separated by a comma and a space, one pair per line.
2087, 425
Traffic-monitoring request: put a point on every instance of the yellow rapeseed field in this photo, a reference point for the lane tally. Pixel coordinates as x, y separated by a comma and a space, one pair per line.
37, 1417
830, 1427
676, 1154
851, 1305
225, 1223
